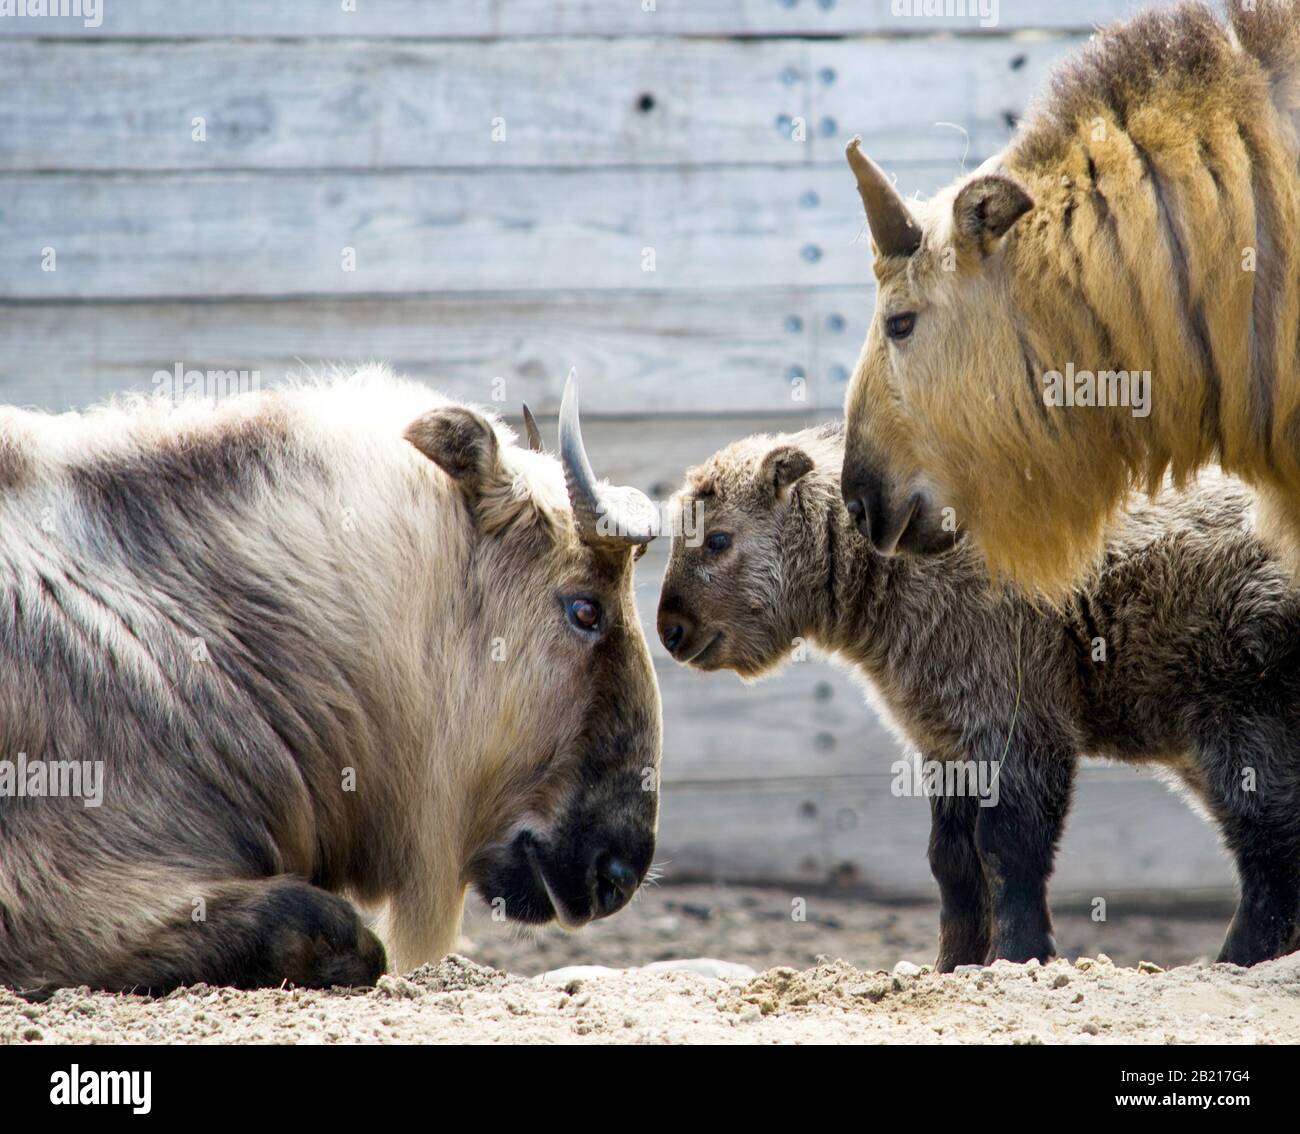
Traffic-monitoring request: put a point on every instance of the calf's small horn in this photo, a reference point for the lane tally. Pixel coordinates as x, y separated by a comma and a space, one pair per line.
607, 516
890, 220
530, 428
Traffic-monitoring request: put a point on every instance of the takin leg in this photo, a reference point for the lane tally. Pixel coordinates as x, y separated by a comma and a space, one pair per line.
963, 892
1249, 779
1268, 911
1016, 837
1266, 848
256, 935
242, 933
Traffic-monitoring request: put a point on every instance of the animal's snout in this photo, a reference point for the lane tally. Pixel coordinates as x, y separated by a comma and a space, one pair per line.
676, 630
894, 521
864, 497
615, 883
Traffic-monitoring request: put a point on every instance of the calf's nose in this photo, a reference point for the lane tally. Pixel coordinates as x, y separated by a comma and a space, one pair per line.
675, 631
615, 883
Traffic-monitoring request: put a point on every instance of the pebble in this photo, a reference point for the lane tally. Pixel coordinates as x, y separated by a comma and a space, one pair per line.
709, 967
704, 966
907, 968
576, 972
396, 988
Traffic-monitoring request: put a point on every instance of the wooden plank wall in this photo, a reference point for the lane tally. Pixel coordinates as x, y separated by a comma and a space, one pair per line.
487, 193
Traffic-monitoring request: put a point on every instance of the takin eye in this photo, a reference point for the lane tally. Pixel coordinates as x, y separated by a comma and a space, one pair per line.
899, 327
583, 614
717, 542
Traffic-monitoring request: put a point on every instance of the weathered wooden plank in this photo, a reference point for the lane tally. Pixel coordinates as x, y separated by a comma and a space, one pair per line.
214, 235
1124, 835
376, 105
411, 19
653, 452
513, 103
691, 353
810, 722
918, 99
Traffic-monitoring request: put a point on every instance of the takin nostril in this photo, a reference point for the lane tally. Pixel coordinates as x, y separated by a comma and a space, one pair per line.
672, 637
616, 882
855, 507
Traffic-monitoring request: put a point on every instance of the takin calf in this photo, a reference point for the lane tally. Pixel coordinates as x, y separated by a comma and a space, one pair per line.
1183, 652
343, 638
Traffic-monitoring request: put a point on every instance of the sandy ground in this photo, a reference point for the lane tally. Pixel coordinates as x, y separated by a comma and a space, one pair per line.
849, 972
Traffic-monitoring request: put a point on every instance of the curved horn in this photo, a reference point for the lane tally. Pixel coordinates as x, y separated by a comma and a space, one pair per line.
606, 516
530, 428
890, 220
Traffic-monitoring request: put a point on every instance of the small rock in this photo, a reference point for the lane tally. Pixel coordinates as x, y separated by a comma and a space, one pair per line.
1149, 967
1060, 980
576, 972
969, 969
1102, 959
704, 966
396, 988
907, 968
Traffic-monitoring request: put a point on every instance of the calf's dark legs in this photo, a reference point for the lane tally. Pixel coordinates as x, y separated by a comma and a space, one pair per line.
1268, 910
963, 893
1016, 839
1249, 780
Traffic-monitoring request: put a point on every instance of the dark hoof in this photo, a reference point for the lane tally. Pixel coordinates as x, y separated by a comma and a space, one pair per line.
317, 940
1040, 949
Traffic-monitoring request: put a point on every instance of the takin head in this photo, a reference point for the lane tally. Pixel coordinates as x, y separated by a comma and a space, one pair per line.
1025, 312
929, 421
563, 772
743, 594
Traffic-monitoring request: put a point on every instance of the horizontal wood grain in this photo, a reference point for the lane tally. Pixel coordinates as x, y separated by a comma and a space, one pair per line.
726, 352
373, 105
445, 19
501, 104
214, 235
1123, 835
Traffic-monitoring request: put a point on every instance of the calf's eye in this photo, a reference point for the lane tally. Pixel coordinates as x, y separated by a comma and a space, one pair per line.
718, 541
898, 327
583, 613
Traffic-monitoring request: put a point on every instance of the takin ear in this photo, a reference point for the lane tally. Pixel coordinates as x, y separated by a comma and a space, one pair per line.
781, 468
461, 443
986, 208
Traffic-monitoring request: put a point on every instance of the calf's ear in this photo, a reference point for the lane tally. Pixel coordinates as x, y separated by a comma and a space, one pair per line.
460, 442
781, 468
986, 208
